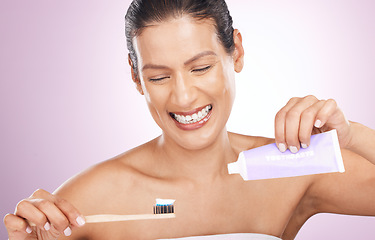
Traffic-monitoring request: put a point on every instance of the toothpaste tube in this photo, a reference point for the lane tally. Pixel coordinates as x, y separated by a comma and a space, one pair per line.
322, 156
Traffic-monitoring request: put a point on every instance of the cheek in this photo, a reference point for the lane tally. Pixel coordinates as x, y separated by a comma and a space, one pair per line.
229, 84
156, 97
148, 91
156, 102
147, 95
222, 83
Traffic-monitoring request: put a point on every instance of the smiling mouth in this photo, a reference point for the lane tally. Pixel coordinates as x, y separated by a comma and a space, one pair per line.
198, 116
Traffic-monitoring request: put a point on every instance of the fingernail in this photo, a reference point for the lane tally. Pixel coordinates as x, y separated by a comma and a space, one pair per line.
317, 123
47, 226
293, 149
282, 147
303, 145
80, 221
67, 231
29, 230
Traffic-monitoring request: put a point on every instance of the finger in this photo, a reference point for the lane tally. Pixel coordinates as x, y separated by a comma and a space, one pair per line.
280, 124
53, 214
293, 120
308, 118
16, 226
62, 215
74, 217
33, 215
325, 112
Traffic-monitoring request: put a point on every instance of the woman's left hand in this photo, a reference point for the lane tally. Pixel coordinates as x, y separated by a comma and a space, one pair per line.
302, 117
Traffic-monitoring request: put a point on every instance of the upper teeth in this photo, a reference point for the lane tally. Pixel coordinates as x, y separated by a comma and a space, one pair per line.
196, 117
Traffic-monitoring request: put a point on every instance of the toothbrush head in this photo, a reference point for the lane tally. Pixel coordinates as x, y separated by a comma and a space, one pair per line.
163, 206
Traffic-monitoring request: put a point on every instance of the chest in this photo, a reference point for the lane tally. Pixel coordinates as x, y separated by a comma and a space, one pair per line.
257, 207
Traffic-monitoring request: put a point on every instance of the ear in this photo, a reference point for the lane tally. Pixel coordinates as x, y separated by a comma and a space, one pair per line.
135, 76
238, 53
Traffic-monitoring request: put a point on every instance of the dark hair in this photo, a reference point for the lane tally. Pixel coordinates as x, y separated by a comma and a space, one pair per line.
143, 12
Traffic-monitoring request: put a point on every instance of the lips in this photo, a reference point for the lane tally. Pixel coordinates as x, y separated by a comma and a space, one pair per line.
193, 119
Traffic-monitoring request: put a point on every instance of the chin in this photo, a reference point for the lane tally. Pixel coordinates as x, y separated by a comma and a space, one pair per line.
201, 140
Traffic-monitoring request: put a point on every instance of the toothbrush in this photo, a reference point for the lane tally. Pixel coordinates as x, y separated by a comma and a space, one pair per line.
163, 209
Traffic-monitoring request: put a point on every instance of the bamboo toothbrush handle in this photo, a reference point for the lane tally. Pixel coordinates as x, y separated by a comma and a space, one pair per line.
115, 218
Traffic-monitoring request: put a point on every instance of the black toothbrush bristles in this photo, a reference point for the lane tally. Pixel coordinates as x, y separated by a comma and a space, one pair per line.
160, 209
164, 206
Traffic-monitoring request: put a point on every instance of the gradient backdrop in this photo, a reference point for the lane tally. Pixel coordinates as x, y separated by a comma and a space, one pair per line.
67, 100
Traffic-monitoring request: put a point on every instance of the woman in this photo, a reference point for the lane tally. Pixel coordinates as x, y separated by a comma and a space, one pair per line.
183, 56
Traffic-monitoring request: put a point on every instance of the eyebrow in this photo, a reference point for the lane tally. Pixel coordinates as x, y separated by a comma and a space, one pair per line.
200, 55
195, 58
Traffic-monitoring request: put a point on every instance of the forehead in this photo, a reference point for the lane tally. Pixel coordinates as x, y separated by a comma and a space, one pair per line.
176, 39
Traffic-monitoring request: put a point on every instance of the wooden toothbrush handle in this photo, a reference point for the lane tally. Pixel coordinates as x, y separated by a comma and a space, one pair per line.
115, 218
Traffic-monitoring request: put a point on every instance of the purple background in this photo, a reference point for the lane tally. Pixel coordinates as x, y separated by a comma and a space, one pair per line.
67, 101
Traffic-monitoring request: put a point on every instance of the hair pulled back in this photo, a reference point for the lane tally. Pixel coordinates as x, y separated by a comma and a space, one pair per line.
141, 13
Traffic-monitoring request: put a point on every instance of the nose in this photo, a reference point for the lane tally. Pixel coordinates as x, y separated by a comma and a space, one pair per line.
184, 92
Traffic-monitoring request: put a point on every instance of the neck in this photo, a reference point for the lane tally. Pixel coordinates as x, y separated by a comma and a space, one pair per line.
199, 164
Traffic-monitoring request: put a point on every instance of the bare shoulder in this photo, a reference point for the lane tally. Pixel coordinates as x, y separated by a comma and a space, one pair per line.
241, 142
115, 186
90, 190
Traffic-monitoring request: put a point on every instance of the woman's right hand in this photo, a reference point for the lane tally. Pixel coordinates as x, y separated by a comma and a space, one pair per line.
42, 216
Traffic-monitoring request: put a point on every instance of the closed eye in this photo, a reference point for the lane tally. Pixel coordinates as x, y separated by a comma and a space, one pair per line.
157, 79
201, 70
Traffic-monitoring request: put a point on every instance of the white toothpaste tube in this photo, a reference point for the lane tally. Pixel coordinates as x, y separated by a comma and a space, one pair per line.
322, 156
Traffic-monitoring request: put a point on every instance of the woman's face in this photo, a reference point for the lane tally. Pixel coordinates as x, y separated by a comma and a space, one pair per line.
187, 78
